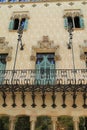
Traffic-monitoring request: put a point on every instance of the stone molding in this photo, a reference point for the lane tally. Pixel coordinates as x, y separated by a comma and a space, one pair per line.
20, 15
45, 46
72, 13
5, 49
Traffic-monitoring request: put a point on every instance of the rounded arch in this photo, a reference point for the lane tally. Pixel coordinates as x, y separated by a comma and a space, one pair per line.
4, 122
22, 122
65, 122
43, 123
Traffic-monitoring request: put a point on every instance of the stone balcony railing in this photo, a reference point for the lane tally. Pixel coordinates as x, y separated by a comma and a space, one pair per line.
57, 80
30, 82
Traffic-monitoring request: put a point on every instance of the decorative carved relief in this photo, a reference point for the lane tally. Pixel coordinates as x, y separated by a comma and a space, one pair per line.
83, 51
45, 46
72, 13
5, 49
20, 14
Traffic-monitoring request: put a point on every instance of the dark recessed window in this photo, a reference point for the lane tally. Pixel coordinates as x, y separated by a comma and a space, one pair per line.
16, 24
77, 22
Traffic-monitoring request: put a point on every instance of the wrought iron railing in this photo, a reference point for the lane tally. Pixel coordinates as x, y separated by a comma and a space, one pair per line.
59, 79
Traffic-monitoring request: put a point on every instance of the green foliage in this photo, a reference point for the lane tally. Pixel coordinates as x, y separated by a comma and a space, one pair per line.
22, 123
4, 123
43, 123
81, 123
66, 122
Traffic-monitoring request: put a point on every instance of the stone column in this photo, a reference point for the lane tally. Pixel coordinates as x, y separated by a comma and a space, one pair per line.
76, 122
54, 121
33, 120
12, 120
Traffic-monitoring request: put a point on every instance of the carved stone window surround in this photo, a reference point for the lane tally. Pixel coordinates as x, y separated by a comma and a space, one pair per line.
45, 46
5, 49
20, 15
73, 13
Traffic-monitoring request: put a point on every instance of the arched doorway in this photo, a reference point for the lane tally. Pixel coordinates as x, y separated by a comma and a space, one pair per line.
43, 123
22, 123
65, 123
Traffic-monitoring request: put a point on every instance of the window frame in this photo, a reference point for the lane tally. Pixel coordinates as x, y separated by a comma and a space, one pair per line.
73, 14
19, 16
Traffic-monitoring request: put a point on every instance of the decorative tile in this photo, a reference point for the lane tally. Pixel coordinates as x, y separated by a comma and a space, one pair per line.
58, 4
22, 6
71, 3
10, 6
84, 2
34, 5
46, 4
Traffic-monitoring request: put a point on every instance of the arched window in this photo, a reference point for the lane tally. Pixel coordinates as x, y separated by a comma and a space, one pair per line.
77, 22
74, 21
70, 21
16, 24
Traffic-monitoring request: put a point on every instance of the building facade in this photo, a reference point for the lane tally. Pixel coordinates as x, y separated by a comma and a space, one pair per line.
43, 71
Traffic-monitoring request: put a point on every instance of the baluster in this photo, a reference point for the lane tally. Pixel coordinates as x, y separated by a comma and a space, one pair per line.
64, 98
33, 98
4, 99
74, 100
53, 99
43, 99
84, 98
23, 99
13, 98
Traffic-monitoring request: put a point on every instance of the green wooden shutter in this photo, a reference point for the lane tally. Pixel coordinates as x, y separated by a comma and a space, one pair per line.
26, 24
2, 67
11, 24
81, 22
65, 22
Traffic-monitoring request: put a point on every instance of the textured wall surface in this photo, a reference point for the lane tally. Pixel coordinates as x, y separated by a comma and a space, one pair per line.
46, 19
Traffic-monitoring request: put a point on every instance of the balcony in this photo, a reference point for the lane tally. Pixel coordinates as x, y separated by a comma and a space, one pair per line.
59, 80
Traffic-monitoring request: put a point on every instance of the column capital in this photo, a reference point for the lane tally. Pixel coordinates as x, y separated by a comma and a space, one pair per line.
75, 118
54, 118
12, 118
33, 118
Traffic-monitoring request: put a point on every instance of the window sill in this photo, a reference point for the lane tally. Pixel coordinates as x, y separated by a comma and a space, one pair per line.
76, 29
17, 30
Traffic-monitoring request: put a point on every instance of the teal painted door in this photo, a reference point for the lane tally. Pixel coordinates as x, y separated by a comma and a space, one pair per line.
45, 66
2, 66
